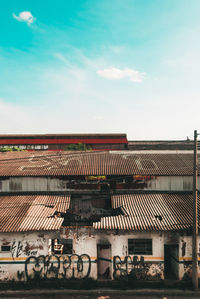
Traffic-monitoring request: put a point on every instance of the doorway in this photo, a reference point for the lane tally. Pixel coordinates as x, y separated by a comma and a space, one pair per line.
104, 261
171, 261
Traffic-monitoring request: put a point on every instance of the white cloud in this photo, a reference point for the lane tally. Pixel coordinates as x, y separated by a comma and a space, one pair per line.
116, 74
12, 117
24, 16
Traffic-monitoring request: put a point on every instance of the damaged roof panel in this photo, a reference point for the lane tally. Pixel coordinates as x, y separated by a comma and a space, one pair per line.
150, 212
142, 212
29, 213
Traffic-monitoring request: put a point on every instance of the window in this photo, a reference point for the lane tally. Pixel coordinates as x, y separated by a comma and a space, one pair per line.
67, 246
140, 246
5, 248
63, 246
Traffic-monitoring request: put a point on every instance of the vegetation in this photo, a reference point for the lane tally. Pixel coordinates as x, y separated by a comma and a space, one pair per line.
78, 147
11, 149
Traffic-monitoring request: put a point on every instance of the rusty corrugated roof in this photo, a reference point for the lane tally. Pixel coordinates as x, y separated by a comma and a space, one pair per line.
150, 212
161, 144
31, 213
95, 163
146, 212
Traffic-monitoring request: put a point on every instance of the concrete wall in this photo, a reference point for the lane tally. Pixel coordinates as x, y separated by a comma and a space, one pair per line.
85, 241
14, 264
181, 183
185, 256
22, 246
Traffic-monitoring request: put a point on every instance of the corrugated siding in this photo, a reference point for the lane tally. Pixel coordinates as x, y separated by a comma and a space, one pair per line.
29, 213
175, 211
95, 163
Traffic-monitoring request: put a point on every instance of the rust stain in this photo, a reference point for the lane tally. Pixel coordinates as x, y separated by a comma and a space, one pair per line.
41, 235
5, 243
67, 233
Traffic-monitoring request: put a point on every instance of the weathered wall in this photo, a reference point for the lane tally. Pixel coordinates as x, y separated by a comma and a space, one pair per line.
86, 241
84, 259
22, 245
175, 183
185, 257
181, 183
32, 184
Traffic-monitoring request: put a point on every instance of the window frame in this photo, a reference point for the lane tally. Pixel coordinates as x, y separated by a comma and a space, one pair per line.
147, 244
8, 250
59, 244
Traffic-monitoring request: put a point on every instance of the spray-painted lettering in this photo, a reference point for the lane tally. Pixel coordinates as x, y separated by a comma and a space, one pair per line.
52, 266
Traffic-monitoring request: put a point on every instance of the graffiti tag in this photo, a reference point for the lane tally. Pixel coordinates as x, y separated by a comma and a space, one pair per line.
16, 249
52, 266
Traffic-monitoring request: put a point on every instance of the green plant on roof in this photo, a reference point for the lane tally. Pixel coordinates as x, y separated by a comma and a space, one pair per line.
78, 147
11, 149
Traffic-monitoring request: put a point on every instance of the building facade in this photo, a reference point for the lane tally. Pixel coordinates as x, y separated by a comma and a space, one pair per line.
57, 142
103, 215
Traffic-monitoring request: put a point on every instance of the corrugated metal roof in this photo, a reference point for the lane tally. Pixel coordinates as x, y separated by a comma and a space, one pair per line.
95, 163
161, 144
31, 213
150, 212
146, 212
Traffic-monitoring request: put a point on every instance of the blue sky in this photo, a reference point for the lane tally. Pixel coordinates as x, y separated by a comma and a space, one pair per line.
129, 66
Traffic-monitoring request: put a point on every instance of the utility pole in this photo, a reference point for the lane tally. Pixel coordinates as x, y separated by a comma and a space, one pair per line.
195, 219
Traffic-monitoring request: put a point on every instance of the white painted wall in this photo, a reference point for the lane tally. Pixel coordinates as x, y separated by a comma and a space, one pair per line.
22, 245
186, 259
85, 241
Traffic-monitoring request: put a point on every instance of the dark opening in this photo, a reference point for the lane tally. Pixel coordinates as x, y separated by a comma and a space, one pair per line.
171, 261
62, 246
67, 246
140, 246
104, 261
5, 248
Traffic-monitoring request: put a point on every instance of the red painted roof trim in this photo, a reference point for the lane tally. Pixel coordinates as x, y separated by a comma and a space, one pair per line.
62, 141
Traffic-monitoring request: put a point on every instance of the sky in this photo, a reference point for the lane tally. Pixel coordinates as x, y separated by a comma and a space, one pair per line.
100, 66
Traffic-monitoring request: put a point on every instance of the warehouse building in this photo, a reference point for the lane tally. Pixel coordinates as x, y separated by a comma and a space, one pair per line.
103, 215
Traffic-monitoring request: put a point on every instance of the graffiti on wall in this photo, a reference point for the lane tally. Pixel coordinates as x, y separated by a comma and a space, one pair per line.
52, 266
187, 270
135, 268
4, 272
17, 249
